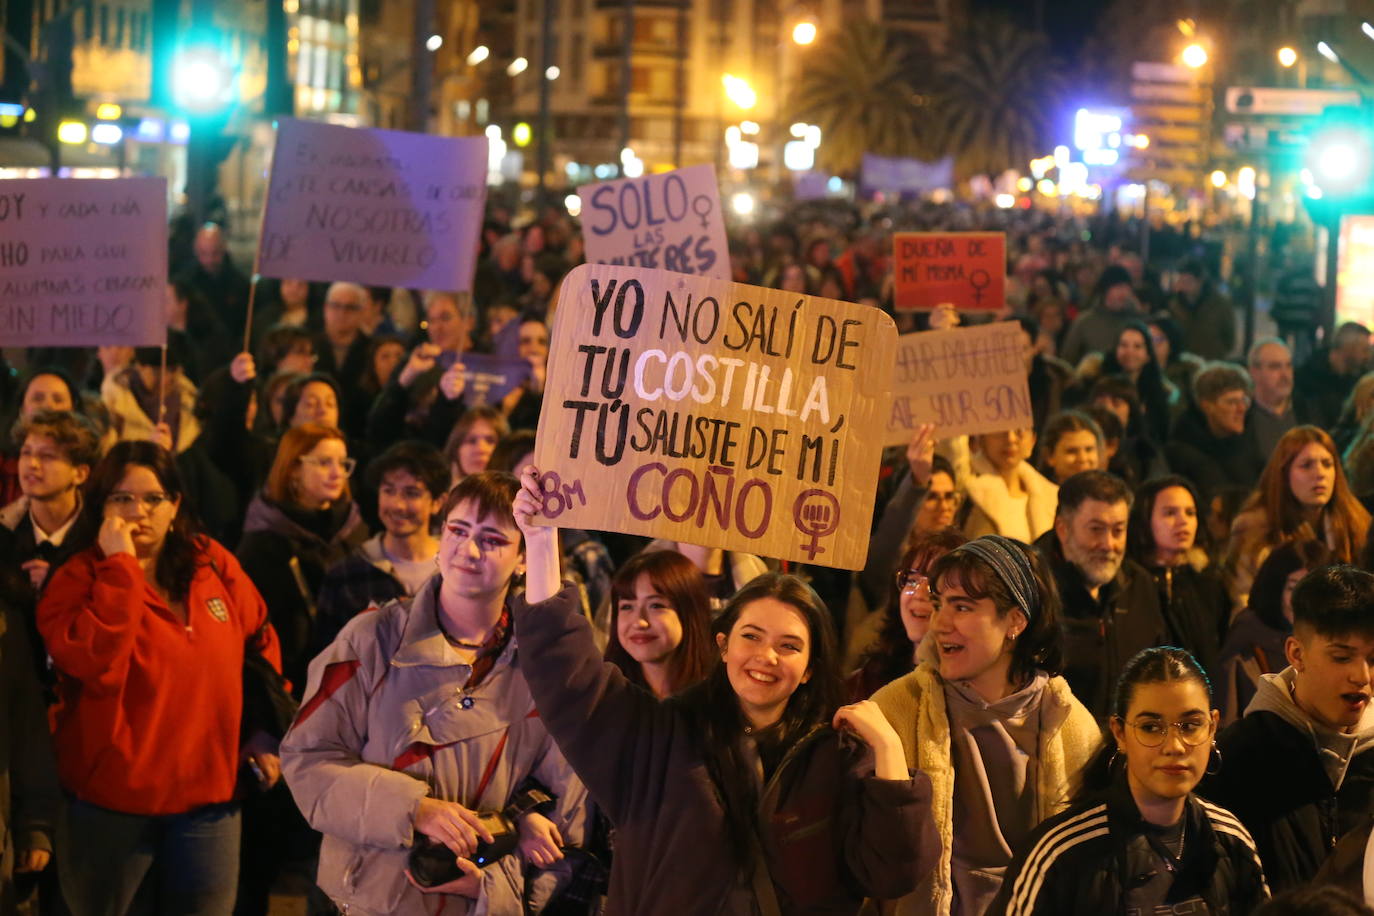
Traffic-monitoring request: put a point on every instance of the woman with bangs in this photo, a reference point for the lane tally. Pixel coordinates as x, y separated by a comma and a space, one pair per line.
660, 622
988, 718
1302, 496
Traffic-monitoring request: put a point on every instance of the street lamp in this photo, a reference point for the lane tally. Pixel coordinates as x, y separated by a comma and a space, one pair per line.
479, 54
434, 42
1194, 56
739, 91
804, 32
1287, 56
1325, 50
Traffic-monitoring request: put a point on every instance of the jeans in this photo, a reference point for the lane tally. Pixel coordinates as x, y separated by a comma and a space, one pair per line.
112, 864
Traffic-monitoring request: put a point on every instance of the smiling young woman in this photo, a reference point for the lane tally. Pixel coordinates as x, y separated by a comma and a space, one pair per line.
816, 806
987, 716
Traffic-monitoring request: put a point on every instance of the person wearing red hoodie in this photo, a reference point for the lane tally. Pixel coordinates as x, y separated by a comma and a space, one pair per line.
147, 625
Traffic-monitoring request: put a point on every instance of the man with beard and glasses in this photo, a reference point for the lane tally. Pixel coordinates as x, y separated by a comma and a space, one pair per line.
1111, 608
411, 480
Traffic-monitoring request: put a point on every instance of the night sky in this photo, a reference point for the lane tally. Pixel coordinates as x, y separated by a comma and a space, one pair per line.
1068, 22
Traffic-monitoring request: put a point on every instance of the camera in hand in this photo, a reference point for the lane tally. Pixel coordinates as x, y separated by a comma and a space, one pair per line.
433, 863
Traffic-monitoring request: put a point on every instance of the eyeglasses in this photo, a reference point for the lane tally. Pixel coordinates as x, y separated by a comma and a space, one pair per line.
1241, 401
910, 580
348, 464
343, 306
953, 497
1153, 732
123, 500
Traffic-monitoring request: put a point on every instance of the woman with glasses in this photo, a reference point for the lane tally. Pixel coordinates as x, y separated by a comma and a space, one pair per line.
1136, 839
419, 719
299, 525
147, 625
988, 718
1301, 496
906, 621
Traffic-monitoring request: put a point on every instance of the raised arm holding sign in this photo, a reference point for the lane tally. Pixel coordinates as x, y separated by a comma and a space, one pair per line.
715, 413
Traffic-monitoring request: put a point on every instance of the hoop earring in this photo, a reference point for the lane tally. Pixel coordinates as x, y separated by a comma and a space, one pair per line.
1111, 763
1220, 762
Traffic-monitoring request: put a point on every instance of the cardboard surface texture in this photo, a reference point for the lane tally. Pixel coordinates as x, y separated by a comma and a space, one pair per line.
715, 413
83, 262
966, 381
378, 207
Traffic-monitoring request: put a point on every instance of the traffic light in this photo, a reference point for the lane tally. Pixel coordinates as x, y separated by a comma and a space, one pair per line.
202, 81
1340, 159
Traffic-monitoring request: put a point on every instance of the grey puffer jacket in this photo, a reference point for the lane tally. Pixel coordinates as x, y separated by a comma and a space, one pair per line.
388, 722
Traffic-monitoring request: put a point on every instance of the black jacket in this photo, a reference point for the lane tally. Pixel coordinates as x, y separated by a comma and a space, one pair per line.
1101, 635
1273, 780
1196, 609
1325, 388
1084, 860
1213, 463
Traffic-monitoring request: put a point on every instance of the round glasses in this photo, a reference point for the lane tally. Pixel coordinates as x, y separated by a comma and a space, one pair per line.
348, 464
1154, 732
910, 580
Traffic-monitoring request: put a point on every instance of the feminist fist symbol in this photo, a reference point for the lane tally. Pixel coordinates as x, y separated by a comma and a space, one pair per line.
817, 513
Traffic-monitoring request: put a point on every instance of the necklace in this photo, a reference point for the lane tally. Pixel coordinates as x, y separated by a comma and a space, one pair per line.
452, 641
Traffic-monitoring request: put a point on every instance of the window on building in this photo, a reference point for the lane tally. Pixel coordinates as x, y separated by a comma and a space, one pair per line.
105, 24
119, 27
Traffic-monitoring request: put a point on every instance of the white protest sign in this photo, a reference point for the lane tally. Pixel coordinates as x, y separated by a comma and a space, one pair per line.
83, 262
966, 381
714, 413
380, 207
670, 221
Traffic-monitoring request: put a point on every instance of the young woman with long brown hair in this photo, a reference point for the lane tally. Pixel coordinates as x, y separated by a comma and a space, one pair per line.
1302, 495
660, 622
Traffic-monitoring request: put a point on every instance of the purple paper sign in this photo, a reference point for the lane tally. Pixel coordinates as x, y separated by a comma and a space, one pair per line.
83, 262
885, 173
380, 207
487, 378
670, 221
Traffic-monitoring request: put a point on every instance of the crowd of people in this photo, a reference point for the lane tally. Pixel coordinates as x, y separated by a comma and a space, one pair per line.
282, 618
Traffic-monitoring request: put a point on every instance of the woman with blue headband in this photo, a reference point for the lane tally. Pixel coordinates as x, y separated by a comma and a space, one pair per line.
988, 718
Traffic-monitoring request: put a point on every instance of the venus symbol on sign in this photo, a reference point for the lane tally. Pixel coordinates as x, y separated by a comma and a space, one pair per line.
979, 280
817, 513
702, 211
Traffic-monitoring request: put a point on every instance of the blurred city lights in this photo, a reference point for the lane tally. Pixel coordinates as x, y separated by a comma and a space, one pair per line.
493, 131
107, 134
71, 132
1219, 179
574, 205
1326, 51
804, 32
813, 136
749, 127
479, 53
552, 73
517, 67
1245, 182
1368, 30
1287, 56
1337, 161
1024, 184
798, 155
1194, 56
739, 91
742, 203
434, 42
799, 129
201, 80
108, 111
1005, 201
521, 134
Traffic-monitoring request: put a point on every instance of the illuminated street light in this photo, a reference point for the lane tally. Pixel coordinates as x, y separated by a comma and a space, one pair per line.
107, 134
1326, 51
552, 73
479, 54
804, 32
434, 42
521, 134
1195, 56
202, 81
1368, 30
73, 132
1287, 56
108, 111
1218, 179
517, 67
742, 203
739, 91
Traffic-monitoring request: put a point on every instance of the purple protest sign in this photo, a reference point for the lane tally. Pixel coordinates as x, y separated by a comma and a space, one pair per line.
83, 262
487, 378
670, 221
380, 207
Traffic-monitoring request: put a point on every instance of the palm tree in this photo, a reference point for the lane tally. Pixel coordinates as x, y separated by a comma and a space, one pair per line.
856, 87
1000, 100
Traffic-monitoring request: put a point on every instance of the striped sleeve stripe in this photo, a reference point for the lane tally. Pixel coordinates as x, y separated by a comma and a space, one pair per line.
1221, 818
1061, 837
1254, 855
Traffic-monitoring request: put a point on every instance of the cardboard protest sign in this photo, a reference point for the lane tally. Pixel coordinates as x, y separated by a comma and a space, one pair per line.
966, 381
83, 262
966, 269
669, 221
487, 378
715, 413
381, 207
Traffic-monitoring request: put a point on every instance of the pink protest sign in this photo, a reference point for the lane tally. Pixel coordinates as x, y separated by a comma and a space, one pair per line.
83, 262
669, 221
381, 207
